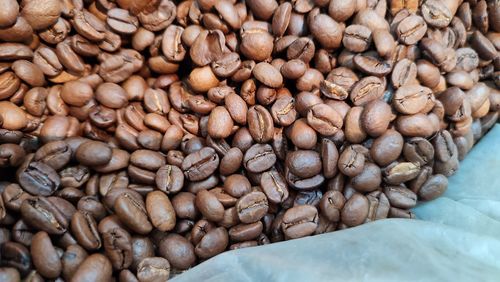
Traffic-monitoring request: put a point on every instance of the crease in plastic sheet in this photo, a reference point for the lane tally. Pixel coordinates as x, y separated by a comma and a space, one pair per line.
457, 238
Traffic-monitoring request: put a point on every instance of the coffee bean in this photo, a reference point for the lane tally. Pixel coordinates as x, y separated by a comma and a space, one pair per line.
259, 158
212, 243
434, 187
160, 211
45, 257
39, 179
201, 164
84, 228
17, 256
252, 207
94, 267
132, 211
299, 221
355, 210
304, 163
178, 251
351, 162
274, 186
208, 204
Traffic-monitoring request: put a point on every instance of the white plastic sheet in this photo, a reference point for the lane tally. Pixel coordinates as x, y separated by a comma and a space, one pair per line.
457, 238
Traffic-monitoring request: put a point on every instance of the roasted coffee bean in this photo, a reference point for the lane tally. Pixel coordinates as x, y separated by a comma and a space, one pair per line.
160, 211
260, 124
331, 204
367, 89
17, 256
132, 211
400, 197
39, 179
351, 162
252, 207
41, 214
178, 251
201, 164
418, 150
208, 204
11, 155
245, 232
274, 186
324, 119
165, 133
303, 163
300, 221
434, 187
44, 256
259, 158
355, 210
84, 228
153, 269
411, 99
94, 268
212, 243
118, 247
170, 179
231, 162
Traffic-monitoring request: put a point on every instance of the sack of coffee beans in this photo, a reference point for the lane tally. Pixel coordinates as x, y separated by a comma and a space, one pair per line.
139, 138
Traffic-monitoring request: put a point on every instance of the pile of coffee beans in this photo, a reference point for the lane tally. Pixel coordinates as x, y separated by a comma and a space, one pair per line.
139, 138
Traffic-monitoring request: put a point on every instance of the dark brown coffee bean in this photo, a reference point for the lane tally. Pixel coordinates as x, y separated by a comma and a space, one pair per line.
411, 99
329, 158
369, 179
212, 243
132, 211
118, 247
178, 251
245, 232
209, 206
201, 164
434, 187
11, 155
355, 210
160, 211
252, 207
387, 148
367, 89
121, 21
95, 267
351, 162
259, 158
45, 257
17, 256
84, 228
274, 186
357, 38
324, 119
300, 221
39, 179
400, 197
376, 117
304, 163
170, 179
331, 204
